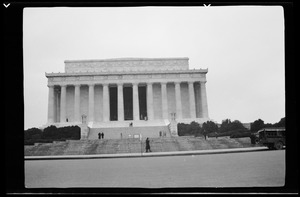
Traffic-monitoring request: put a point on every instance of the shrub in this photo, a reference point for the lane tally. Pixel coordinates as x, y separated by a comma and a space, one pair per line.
32, 133
70, 132
50, 134
209, 127
188, 129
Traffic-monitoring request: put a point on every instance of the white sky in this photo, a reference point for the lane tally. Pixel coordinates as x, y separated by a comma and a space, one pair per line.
242, 47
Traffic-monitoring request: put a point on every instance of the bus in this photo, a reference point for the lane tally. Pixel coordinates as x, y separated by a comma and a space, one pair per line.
273, 138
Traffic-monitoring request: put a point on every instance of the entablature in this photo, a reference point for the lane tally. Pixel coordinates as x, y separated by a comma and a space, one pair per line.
113, 78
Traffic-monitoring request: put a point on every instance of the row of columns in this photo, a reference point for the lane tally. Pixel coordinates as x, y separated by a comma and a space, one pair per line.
106, 108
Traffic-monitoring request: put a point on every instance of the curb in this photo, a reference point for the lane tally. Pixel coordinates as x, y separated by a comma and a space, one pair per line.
156, 154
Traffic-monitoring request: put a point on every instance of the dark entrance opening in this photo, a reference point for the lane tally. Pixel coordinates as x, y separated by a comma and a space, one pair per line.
143, 102
128, 103
113, 100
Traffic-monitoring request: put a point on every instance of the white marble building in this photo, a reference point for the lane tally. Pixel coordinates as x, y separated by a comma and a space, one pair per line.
116, 92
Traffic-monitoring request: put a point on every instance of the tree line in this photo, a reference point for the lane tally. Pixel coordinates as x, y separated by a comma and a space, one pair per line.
227, 128
259, 124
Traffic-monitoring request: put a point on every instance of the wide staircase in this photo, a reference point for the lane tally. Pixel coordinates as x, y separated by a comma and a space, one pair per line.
133, 145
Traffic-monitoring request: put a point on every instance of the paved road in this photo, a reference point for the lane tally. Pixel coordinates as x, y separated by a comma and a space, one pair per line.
248, 169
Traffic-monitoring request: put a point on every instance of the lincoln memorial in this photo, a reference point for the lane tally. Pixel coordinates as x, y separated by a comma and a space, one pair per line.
121, 94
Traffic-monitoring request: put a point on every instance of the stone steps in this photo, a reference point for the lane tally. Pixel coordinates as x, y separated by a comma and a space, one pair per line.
127, 145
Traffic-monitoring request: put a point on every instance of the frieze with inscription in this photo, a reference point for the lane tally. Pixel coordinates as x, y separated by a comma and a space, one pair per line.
129, 64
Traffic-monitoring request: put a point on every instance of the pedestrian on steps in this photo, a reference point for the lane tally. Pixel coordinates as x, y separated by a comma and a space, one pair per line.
148, 145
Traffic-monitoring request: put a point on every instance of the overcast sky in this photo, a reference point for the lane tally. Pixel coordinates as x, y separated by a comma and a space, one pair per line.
242, 47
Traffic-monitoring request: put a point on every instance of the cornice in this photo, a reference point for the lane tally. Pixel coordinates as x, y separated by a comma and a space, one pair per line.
202, 71
126, 59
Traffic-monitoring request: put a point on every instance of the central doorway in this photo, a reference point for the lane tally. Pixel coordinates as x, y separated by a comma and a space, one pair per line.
113, 100
143, 102
128, 103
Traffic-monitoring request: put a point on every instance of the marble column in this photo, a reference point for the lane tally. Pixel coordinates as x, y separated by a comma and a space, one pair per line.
203, 100
120, 102
51, 104
136, 105
91, 102
57, 105
178, 100
164, 100
192, 100
106, 110
150, 101
63, 95
77, 116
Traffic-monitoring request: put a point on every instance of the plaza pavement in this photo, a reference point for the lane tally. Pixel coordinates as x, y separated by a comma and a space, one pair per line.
242, 169
143, 154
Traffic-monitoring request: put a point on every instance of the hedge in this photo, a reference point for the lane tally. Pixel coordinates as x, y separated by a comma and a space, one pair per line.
71, 132
188, 129
50, 134
32, 133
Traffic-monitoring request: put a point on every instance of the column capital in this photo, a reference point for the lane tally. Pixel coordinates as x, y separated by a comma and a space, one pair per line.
50, 86
91, 85
177, 82
191, 82
163, 83
77, 85
63, 85
105, 84
120, 84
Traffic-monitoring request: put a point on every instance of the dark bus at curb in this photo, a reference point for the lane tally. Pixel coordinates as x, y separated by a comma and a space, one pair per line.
273, 138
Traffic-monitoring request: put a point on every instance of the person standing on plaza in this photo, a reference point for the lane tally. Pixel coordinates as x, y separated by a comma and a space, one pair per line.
148, 145
99, 136
102, 135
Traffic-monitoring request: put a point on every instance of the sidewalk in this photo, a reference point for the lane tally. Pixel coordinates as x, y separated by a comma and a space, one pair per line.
152, 154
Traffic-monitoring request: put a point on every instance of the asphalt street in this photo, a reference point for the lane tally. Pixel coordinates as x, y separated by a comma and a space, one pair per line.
246, 169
